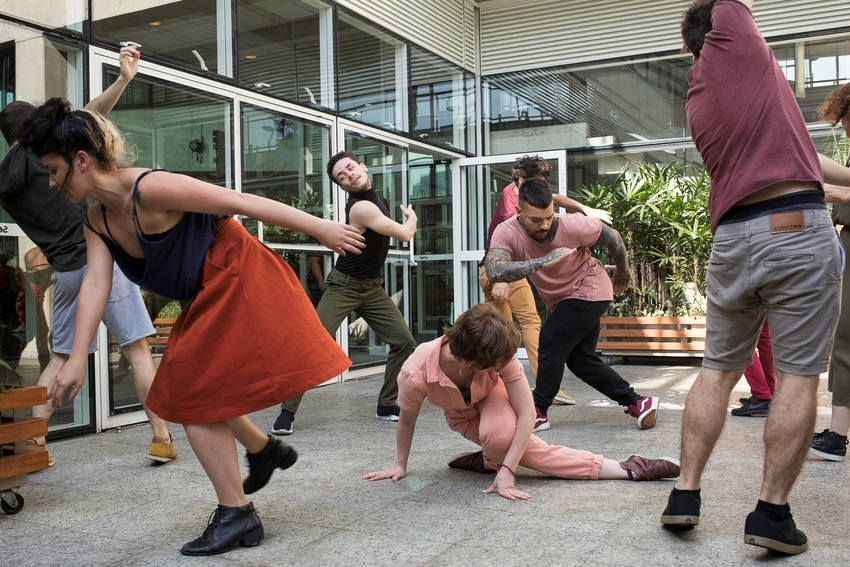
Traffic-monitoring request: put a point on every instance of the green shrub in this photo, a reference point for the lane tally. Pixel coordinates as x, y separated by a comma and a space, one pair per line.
662, 213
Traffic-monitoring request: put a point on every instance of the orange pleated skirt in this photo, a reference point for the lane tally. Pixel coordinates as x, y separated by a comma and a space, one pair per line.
248, 340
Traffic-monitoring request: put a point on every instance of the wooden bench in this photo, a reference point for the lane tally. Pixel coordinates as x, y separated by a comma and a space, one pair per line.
162, 327
15, 428
651, 336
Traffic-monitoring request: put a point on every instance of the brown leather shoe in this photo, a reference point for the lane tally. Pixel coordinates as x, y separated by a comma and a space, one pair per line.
471, 462
640, 468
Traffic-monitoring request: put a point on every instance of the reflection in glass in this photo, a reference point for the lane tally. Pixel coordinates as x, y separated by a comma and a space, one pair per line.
431, 197
176, 128
588, 168
368, 82
311, 268
442, 101
825, 66
194, 33
284, 50
433, 297
485, 184
284, 159
632, 102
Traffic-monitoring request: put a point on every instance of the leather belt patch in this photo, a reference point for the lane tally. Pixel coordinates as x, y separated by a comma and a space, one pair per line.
789, 221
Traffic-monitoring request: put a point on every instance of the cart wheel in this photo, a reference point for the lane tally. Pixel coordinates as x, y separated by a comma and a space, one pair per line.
610, 360
16, 504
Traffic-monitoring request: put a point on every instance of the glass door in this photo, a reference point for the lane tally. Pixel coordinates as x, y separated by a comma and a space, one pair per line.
480, 182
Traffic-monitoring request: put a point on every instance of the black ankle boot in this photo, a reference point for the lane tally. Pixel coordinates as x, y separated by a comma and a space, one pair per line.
228, 525
276, 454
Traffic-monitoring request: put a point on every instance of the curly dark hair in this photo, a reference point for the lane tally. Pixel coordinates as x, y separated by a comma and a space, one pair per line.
483, 337
696, 23
55, 128
535, 192
836, 106
527, 167
336, 159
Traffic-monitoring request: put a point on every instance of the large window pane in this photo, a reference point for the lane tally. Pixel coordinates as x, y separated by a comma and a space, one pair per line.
590, 168
285, 48
825, 66
558, 108
175, 127
371, 75
194, 33
442, 101
284, 159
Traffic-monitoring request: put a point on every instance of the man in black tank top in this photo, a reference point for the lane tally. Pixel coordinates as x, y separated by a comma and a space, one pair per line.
356, 283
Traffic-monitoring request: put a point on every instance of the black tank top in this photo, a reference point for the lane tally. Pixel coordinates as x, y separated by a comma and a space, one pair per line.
370, 263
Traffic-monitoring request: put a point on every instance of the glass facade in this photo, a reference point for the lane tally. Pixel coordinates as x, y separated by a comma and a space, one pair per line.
256, 95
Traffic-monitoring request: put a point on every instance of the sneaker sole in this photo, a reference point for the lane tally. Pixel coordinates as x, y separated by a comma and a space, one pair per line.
282, 431
775, 545
543, 427
648, 421
687, 521
160, 459
827, 456
564, 402
387, 417
751, 414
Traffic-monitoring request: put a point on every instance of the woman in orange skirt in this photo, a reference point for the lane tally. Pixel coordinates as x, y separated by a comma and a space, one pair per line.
248, 338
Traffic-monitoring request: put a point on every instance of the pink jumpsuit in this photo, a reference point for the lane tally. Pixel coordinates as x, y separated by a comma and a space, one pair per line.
488, 419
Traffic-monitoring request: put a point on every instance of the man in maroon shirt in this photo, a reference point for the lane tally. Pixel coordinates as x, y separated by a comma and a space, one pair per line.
774, 252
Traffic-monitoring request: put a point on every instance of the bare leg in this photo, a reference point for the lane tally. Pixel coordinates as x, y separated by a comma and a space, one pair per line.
612, 470
248, 434
702, 422
840, 420
144, 371
48, 376
787, 434
215, 447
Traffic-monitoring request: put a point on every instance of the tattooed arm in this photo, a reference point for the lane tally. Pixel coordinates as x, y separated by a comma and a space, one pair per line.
612, 240
500, 268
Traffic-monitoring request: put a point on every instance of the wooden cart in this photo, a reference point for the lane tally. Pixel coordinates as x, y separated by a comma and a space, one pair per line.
15, 428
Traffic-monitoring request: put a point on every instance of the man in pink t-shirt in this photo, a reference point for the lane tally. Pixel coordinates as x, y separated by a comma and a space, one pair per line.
774, 254
516, 298
554, 251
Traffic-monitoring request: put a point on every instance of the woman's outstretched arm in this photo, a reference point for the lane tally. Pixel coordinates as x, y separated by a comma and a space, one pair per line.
404, 440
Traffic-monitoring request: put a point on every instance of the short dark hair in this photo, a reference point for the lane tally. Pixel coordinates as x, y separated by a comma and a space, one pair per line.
527, 167
535, 192
696, 23
12, 119
336, 159
483, 337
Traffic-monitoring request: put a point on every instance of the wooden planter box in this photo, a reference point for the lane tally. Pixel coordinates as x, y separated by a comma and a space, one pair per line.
651, 336
15, 429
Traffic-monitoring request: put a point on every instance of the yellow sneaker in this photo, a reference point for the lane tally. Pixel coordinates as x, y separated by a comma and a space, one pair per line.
162, 451
563, 399
32, 445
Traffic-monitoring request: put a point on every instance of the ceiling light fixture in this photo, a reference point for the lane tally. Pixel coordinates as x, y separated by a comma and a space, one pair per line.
250, 57
154, 23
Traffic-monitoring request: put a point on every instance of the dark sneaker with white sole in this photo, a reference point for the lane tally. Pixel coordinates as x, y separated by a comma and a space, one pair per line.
283, 423
387, 413
682, 509
752, 408
783, 536
829, 445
